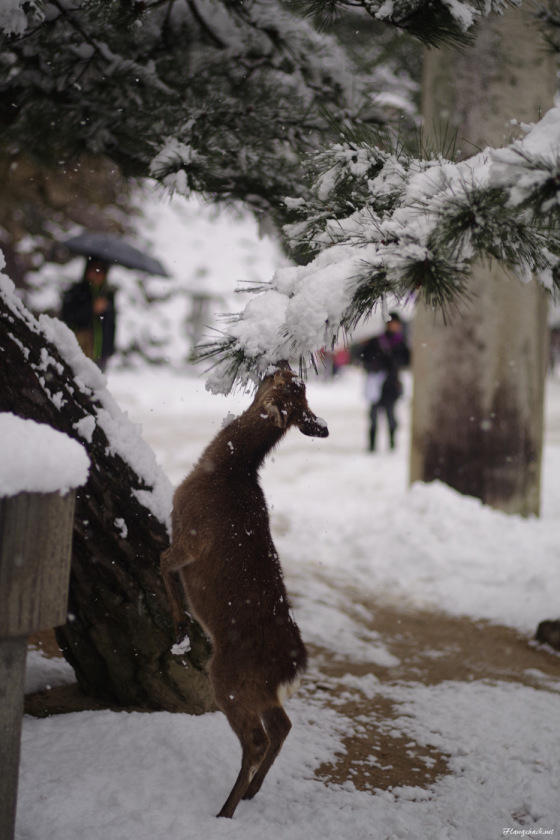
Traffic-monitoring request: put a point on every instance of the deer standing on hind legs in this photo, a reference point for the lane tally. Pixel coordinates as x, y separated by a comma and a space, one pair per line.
223, 555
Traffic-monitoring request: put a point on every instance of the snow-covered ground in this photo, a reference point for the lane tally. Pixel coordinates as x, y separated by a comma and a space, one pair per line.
343, 519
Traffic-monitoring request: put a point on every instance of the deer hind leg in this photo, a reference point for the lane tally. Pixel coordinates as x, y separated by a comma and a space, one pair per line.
255, 744
175, 593
277, 725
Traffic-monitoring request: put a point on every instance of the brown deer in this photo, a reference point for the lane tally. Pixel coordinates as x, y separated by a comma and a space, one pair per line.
223, 554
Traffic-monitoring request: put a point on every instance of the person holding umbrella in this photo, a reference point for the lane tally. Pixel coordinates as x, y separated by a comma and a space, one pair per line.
88, 308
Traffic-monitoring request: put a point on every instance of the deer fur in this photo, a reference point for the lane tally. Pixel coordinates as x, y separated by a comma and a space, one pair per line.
224, 557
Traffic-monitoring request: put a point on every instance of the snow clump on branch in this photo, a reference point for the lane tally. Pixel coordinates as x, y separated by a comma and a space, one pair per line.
13, 17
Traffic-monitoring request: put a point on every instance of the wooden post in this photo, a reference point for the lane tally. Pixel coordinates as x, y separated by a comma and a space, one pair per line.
35, 554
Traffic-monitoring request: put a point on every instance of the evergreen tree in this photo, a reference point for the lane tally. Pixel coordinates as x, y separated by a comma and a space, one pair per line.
221, 98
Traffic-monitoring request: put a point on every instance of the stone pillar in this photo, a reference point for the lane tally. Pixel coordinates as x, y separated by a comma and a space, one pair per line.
479, 378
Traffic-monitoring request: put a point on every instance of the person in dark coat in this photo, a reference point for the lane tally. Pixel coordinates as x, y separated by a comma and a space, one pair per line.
88, 308
382, 358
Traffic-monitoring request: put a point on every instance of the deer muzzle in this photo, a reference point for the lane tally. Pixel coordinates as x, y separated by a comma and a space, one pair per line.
313, 426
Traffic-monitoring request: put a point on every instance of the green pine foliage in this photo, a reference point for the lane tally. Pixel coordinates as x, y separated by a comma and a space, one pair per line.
223, 98
434, 23
392, 224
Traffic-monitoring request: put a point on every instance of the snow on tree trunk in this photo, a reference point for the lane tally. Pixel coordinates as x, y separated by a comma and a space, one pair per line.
479, 378
119, 633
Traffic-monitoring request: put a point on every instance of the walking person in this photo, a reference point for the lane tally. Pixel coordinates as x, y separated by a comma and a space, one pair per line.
88, 308
382, 358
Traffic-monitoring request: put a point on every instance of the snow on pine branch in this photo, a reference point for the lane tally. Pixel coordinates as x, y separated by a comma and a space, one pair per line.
379, 222
434, 22
530, 168
17, 15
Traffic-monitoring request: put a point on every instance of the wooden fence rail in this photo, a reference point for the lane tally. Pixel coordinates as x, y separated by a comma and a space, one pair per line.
35, 554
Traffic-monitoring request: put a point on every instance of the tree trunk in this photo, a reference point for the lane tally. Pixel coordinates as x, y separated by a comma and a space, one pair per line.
119, 632
479, 378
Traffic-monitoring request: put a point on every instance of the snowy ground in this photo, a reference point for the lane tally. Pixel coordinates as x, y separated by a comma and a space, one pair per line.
344, 522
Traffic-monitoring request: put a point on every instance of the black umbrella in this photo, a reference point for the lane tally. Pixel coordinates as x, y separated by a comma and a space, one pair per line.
113, 249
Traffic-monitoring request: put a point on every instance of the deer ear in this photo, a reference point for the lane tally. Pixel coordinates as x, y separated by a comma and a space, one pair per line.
278, 418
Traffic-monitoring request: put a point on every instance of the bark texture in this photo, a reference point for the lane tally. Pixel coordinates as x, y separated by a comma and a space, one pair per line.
479, 378
119, 632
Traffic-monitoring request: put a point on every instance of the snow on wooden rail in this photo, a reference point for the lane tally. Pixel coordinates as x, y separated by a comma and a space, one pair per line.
39, 471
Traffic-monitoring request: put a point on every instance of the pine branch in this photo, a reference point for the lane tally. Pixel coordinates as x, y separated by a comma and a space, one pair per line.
215, 39
243, 85
435, 23
415, 229
547, 16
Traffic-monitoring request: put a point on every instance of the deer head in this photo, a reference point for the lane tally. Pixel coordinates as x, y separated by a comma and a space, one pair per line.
282, 396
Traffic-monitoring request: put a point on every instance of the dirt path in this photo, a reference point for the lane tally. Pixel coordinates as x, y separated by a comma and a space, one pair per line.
431, 648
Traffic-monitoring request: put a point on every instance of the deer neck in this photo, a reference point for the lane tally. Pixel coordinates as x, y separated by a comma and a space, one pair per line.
242, 446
